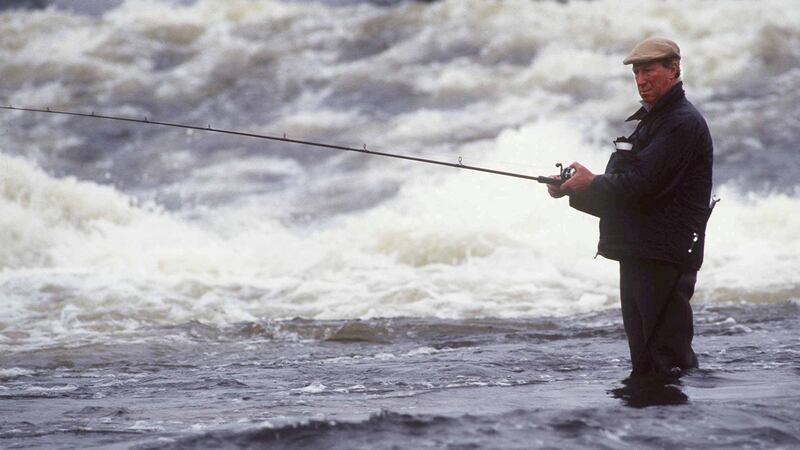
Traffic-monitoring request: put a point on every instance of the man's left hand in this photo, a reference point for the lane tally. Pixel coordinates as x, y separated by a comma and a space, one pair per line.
579, 181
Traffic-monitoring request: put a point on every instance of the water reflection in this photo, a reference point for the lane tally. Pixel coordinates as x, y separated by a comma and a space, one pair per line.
641, 392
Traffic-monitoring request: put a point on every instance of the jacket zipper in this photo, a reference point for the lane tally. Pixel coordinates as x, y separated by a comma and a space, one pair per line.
695, 238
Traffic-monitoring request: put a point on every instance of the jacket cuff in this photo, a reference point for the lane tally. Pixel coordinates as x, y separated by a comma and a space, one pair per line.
588, 201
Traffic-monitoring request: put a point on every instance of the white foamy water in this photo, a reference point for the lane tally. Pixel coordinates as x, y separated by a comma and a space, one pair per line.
107, 228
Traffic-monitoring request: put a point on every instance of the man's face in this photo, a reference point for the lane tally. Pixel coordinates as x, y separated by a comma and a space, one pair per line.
653, 80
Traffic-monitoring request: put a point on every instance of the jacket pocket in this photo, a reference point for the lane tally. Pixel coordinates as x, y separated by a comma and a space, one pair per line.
621, 160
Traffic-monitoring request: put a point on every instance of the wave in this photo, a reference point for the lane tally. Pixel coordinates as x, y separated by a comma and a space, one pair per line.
161, 227
37, 211
433, 76
447, 245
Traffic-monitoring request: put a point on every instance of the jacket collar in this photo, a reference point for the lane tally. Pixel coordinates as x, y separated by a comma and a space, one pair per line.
673, 95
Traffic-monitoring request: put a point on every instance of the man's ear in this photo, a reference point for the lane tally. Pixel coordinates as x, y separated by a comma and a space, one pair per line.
675, 68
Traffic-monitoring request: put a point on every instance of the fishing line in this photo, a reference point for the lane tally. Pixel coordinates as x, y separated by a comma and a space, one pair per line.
564, 173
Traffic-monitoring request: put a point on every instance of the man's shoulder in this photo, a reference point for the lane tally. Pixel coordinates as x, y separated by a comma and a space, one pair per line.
688, 107
683, 114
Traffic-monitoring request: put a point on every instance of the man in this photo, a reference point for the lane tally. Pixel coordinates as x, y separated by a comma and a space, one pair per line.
653, 204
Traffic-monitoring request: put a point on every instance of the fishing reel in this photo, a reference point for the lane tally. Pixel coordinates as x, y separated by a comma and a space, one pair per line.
564, 174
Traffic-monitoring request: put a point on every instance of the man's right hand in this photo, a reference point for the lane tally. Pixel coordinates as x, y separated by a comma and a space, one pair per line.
579, 181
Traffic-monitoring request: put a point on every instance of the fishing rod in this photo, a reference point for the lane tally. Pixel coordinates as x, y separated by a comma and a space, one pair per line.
564, 172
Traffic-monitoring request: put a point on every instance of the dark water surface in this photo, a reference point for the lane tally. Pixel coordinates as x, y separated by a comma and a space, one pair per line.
409, 383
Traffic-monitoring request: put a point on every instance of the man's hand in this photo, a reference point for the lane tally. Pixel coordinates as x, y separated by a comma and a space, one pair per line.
555, 190
579, 181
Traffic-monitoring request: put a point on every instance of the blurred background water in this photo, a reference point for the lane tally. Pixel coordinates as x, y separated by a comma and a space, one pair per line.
124, 245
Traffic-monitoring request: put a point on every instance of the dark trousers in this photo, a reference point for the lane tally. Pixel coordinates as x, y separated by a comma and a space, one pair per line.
657, 316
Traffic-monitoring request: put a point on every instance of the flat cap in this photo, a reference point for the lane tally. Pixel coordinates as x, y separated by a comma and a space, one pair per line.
652, 49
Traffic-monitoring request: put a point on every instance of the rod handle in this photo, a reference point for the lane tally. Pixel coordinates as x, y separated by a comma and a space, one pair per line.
548, 180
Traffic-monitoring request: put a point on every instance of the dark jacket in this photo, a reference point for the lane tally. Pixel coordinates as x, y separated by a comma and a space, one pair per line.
654, 198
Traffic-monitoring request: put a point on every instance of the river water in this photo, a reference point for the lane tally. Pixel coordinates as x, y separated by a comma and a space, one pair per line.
165, 288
